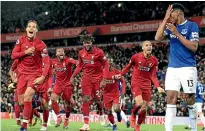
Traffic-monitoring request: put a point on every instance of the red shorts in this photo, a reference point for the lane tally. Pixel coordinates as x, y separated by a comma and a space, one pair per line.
15, 96
25, 81
109, 100
140, 91
91, 87
64, 91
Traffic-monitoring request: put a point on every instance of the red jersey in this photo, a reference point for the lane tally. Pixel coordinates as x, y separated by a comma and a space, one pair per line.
31, 64
144, 70
63, 70
112, 85
91, 63
50, 71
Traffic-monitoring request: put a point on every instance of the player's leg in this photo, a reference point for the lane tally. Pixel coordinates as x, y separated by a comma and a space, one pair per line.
146, 96
124, 117
200, 114
45, 100
86, 93
108, 104
66, 97
17, 108
172, 87
27, 106
117, 109
189, 83
55, 107
137, 95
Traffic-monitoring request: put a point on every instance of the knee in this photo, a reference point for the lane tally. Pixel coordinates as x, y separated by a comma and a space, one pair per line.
117, 109
171, 99
53, 98
20, 103
143, 107
86, 98
45, 105
28, 97
190, 98
139, 103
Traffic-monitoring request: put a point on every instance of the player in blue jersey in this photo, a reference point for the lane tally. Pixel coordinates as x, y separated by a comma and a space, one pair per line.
184, 39
200, 97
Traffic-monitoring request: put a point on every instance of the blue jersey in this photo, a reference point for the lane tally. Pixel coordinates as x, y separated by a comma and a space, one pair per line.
199, 92
120, 87
181, 56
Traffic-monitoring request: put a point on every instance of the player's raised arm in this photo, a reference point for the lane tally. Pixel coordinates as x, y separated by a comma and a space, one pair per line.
128, 66
160, 34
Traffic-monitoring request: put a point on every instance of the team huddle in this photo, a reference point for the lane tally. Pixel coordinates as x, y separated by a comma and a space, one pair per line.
102, 81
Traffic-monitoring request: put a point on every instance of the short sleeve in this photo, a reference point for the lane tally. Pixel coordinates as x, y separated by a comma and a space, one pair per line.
194, 32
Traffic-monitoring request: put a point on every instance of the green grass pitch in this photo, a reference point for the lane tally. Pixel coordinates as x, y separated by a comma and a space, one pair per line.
10, 125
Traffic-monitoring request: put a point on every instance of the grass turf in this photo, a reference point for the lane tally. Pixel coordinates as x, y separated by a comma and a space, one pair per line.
10, 125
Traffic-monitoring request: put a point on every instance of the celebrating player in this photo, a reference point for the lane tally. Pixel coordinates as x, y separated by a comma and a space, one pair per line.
91, 62
111, 96
42, 92
63, 69
200, 97
31, 52
13, 75
184, 38
144, 71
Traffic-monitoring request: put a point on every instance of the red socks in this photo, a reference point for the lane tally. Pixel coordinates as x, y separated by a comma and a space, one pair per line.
135, 110
56, 108
141, 117
67, 112
17, 111
111, 118
86, 111
45, 116
26, 113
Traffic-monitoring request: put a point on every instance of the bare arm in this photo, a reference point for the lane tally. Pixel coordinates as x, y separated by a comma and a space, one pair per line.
160, 31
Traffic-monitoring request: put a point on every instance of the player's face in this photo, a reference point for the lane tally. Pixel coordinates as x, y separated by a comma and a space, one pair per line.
60, 53
31, 29
174, 16
110, 60
87, 45
147, 48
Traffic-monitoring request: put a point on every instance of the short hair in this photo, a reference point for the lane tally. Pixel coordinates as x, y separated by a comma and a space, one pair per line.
145, 42
87, 37
178, 6
33, 22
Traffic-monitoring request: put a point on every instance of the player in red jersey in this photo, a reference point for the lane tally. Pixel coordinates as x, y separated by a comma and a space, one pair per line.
91, 62
13, 74
42, 91
31, 52
111, 96
144, 71
63, 88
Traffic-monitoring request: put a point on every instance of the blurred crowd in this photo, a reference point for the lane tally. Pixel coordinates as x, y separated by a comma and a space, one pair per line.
121, 56
64, 14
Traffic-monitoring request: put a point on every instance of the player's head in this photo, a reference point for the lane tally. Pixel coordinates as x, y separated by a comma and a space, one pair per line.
147, 47
87, 42
31, 28
110, 61
60, 54
177, 13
